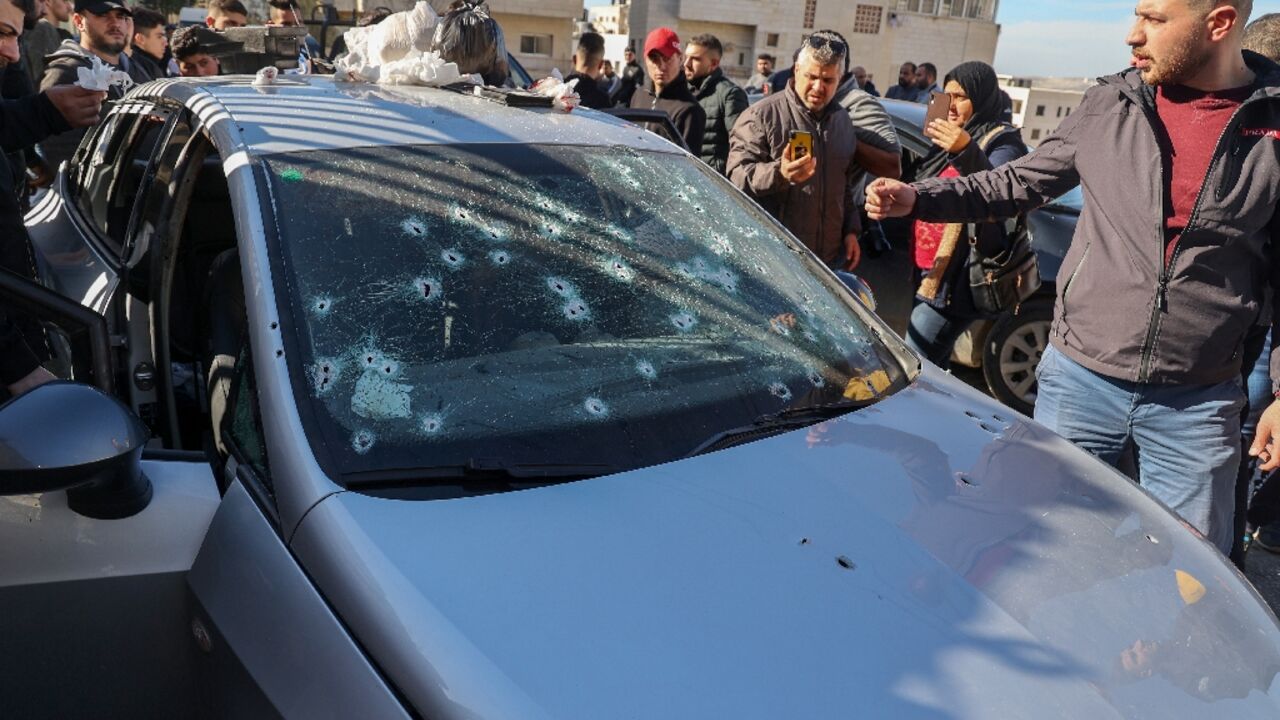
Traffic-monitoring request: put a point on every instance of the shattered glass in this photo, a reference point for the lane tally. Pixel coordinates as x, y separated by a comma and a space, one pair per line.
547, 306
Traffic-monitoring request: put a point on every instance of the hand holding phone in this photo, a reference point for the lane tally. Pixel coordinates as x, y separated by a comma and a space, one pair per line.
801, 144
939, 108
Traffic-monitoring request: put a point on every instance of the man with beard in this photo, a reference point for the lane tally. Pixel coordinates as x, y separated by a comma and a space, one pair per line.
669, 90
926, 82
1172, 257
24, 122
906, 87
104, 31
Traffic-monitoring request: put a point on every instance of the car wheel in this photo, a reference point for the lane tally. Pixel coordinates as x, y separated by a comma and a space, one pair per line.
1012, 351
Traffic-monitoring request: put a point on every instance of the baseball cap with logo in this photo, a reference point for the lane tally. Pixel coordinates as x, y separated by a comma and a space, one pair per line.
101, 7
664, 40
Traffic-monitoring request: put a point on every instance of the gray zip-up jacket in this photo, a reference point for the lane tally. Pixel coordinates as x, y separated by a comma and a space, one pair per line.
1121, 311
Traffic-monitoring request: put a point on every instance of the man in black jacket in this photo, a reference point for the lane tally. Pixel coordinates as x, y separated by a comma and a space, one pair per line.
23, 123
150, 42
1171, 260
588, 64
669, 91
632, 78
104, 27
721, 99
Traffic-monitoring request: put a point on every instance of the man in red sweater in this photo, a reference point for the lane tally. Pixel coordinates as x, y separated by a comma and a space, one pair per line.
1172, 258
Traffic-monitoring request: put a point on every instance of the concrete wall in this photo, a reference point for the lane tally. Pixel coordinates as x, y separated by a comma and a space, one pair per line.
539, 17
1055, 105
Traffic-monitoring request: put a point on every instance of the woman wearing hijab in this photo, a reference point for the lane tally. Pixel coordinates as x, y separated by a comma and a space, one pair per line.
973, 137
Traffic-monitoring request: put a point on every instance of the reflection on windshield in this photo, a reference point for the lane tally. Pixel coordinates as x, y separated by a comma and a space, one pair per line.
566, 305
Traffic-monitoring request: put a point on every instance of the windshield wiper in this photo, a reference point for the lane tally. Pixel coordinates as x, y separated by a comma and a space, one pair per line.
476, 471
779, 422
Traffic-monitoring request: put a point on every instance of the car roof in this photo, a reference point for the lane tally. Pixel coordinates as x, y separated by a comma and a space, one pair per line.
300, 113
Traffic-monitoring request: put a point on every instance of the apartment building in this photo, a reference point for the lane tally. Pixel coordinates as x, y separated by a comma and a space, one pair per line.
883, 33
1037, 108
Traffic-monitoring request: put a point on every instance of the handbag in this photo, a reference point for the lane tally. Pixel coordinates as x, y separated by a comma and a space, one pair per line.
1001, 282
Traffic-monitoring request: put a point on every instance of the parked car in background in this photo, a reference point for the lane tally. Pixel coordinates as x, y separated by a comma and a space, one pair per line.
1006, 349
436, 407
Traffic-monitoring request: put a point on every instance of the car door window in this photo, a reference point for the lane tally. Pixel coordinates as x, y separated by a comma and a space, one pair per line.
242, 426
114, 166
152, 202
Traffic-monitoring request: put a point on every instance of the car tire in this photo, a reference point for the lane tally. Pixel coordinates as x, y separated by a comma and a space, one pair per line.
1012, 351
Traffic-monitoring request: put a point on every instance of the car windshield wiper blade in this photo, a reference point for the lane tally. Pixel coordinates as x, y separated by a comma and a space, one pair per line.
477, 471
779, 422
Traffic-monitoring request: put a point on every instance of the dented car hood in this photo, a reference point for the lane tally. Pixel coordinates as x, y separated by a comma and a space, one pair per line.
933, 556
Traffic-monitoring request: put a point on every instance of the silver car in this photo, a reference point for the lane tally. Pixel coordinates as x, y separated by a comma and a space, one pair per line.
413, 404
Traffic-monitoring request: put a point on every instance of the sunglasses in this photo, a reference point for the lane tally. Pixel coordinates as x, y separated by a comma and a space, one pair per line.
818, 42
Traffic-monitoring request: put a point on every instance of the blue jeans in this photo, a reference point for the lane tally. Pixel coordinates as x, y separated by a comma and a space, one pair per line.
1187, 436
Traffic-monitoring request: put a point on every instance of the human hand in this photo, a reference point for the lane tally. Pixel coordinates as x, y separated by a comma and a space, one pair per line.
852, 252
948, 135
797, 171
33, 380
889, 198
1266, 438
80, 107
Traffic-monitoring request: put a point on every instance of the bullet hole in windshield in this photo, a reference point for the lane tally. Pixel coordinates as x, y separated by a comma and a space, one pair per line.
427, 288
325, 374
620, 270
414, 227
362, 441
562, 287
780, 391
647, 370
432, 424
452, 258
500, 257
684, 321
846, 563
596, 408
816, 379
576, 309
322, 306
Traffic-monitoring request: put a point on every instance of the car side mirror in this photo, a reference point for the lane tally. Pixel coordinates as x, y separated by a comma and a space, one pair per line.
74, 437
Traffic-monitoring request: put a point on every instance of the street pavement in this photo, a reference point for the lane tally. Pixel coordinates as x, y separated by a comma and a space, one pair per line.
1263, 570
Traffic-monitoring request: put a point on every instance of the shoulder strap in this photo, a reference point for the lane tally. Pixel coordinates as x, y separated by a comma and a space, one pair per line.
994, 133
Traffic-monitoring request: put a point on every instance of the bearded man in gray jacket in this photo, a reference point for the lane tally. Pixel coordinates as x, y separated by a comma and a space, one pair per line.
1172, 257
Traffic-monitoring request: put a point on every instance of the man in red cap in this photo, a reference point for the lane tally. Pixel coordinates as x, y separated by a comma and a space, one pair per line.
668, 90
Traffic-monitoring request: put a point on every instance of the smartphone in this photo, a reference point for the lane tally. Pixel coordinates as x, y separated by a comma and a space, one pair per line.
939, 108
801, 144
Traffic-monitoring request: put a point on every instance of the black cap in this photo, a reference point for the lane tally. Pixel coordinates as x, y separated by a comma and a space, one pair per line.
101, 7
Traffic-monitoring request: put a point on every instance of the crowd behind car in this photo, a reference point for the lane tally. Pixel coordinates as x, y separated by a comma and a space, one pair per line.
814, 147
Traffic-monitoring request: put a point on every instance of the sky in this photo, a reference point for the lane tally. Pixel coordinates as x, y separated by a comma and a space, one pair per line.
1064, 38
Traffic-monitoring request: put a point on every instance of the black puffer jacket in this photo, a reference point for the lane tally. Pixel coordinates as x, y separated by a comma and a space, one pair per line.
679, 105
722, 101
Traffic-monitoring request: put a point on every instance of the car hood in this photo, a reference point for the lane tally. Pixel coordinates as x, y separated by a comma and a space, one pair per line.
934, 556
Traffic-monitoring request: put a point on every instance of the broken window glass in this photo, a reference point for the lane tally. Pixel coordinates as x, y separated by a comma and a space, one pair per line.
547, 306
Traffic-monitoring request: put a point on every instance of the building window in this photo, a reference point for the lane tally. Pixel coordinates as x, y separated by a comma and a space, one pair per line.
1035, 134
1039, 111
1068, 112
968, 9
866, 19
535, 44
771, 39
1017, 107
1059, 111
810, 13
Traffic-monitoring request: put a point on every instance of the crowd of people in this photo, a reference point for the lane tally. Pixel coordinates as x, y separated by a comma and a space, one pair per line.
1164, 308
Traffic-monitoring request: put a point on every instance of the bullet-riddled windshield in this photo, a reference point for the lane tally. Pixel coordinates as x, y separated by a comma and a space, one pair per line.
508, 306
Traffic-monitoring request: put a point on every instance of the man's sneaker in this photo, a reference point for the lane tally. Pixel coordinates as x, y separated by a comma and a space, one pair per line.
1268, 537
